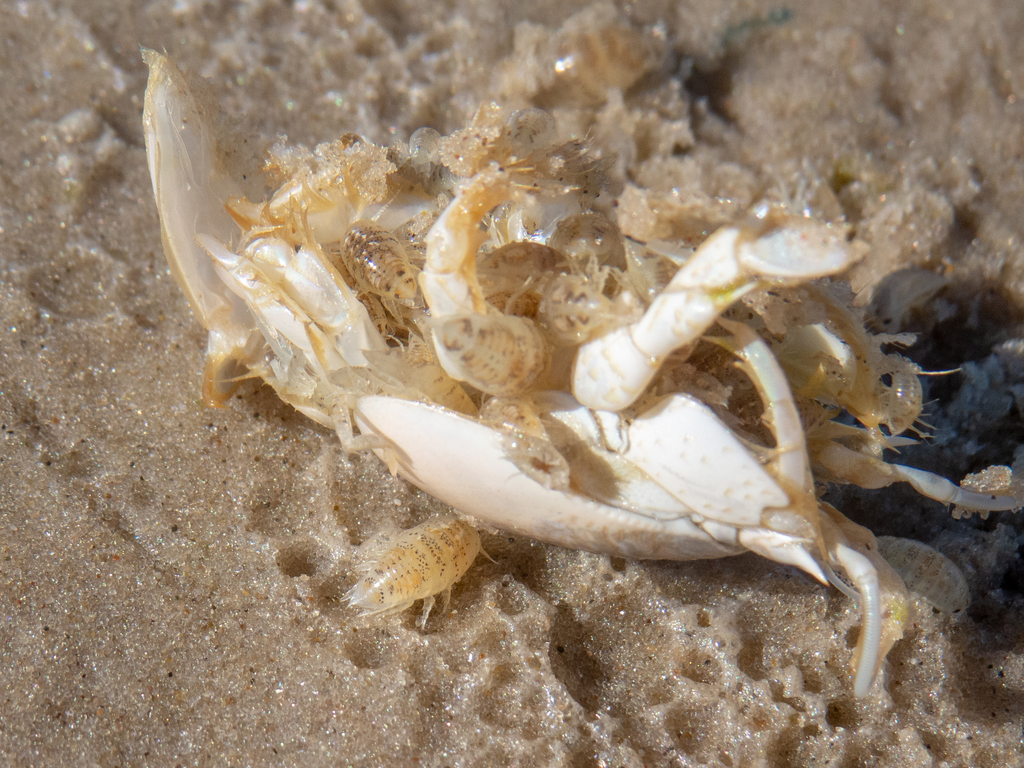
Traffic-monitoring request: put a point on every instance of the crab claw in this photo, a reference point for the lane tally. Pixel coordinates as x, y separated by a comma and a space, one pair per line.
612, 371
466, 464
190, 189
883, 597
738, 502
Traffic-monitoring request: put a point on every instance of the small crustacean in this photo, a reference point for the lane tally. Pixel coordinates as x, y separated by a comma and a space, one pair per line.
927, 572
419, 563
377, 262
544, 374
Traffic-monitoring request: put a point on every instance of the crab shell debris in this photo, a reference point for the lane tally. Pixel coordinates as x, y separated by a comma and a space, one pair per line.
465, 307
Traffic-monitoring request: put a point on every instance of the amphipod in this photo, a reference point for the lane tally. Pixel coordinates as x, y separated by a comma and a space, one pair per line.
422, 562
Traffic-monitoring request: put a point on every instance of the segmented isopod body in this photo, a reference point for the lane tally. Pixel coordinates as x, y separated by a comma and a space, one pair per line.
511, 265
525, 441
497, 354
901, 402
573, 310
377, 261
927, 572
590, 235
531, 128
421, 562
423, 148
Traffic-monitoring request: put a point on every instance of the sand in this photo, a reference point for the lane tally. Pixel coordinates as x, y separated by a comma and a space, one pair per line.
171, 574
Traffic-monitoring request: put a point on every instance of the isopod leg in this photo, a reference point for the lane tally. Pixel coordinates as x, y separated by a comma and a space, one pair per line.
341, 416
428, 605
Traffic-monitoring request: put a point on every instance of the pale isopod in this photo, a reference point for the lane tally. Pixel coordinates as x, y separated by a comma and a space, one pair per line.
497, 354
586, 235
927, 572
901, 401
574, 310
531, 128
377, 262
421, 562
526, 442
424, 147
511, 265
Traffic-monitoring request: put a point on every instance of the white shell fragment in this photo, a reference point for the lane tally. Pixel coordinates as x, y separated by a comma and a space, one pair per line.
927, 572
679, 443
463, 462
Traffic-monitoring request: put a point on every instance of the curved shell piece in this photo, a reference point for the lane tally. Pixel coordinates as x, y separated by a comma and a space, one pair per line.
927, 572
464, 463
189, 187
599, 470
190, 190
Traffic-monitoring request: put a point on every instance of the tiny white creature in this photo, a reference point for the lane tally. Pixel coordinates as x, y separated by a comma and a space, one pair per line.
543, 374
927, 572
418, 564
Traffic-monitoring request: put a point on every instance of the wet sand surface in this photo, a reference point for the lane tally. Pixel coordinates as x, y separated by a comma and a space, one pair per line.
170, 575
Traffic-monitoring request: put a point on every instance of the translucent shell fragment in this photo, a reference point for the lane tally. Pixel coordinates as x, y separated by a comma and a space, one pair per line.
191, 188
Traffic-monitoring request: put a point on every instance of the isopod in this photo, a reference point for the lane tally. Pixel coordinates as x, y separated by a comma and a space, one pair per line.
927, 572
421, 562
497, 354
525, 441
424, 147
531, 129
574, 310
377, 262
590, 235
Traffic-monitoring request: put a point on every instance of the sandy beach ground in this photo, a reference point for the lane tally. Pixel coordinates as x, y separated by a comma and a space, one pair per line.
170, 575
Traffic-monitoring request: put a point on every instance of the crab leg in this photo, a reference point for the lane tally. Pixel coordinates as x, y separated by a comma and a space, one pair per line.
879, 590
612, 371
449, 279
867, 654
287, 289
886, 605
780, 411
939, 488
868, 472
498, 354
